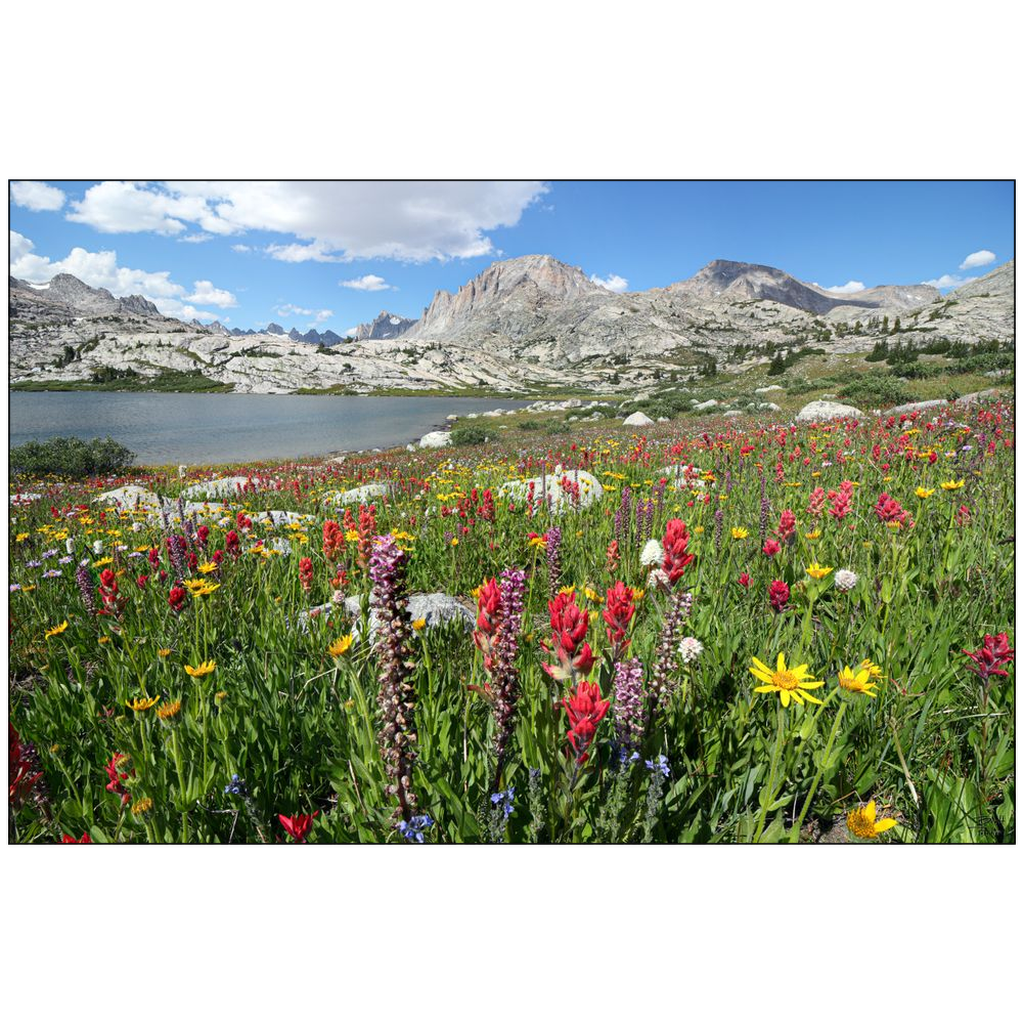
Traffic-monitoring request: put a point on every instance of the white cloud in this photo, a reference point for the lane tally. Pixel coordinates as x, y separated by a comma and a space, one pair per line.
206, 294
612, 282
846, 289
289, 310
101, 270
296, 253
981, 258
349, 332
201, 236
332, 221
241, 248
34, 195
949, 281
367, 283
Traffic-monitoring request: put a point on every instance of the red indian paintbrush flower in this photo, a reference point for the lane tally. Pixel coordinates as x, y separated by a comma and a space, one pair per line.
176, 599
569, 624
306, 573
771, 547
787, 526
117, 777
778, 595
20, 776
889, 510
334, 540
585, 709
298, 826
71, 839
990, 657
618, 613
487, 621
675, 543
232, 544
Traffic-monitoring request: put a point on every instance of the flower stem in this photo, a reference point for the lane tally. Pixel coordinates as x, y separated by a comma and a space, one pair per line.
771, 775
821, 768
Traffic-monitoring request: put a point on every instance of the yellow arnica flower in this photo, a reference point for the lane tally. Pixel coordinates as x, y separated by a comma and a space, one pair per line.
22, 536
141, 703
206, 591
923, 492
593, 595
208, 567
861, 822
109, 561
638, 594
873, 670
340, 646
568, 591
143, 805
202, 669
952, 485
419, 624
857, 682
57, 630
538, 542
738, 533
818, 572
169, 711
786, 682
813, 535
163, 651
194, 585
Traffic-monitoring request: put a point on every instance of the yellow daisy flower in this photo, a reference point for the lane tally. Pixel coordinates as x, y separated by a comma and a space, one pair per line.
340, 646
952, 485
57, 630
861, 822
923, 492
208, 567
739, 533
163, 651
142, 703
204, 668
857, 682
419, 624
818, 572
788, 683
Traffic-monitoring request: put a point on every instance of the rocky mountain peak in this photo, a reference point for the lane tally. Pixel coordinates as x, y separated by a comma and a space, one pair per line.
383, 328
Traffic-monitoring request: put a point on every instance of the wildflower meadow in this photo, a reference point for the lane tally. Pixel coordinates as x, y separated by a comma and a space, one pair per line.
790, 634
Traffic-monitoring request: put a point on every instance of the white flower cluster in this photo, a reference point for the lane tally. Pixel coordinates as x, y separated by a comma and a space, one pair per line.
846, 580
690, 649
652, 554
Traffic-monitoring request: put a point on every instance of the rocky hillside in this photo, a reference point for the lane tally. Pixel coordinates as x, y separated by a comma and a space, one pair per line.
526, 322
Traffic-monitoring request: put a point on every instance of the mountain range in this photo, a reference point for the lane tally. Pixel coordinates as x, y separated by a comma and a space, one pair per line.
528, 321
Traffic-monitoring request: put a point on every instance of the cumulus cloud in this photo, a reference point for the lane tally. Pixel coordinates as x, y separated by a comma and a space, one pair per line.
349, 332
207, 295
612, 282
981, 258
319, 315
332, 221
241, 248
846, 289
36, 196
195, 239
949, 281
367, 283
101, 270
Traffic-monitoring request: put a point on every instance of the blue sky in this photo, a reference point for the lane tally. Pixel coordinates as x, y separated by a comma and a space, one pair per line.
334, 254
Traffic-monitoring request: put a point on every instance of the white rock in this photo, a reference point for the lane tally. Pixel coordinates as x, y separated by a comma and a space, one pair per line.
436, 608
826, 411
711, 403
732, 414
638, 419
356, 496
221, 487
590, 489
771, 387
437, 438
129, 497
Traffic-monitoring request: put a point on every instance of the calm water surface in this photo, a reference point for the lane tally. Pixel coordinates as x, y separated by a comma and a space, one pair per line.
168, 428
